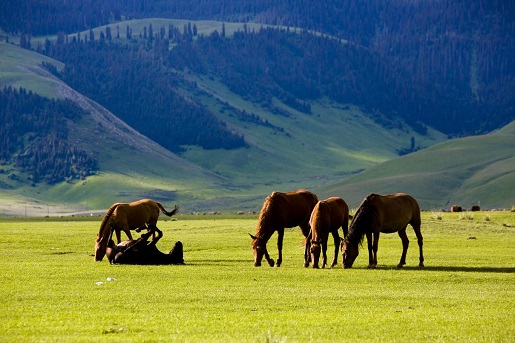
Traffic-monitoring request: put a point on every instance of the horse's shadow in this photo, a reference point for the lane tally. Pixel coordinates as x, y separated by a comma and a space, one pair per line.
462, 269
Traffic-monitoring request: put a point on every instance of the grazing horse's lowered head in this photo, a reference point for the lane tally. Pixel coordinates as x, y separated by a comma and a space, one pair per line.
350, 245
259, 247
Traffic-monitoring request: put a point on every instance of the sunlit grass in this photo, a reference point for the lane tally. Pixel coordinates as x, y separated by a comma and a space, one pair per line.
50, 292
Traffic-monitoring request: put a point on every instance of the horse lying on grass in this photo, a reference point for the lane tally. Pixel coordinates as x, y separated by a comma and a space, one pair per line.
382, 213
129, 216
143, 252
279, 211
327, 217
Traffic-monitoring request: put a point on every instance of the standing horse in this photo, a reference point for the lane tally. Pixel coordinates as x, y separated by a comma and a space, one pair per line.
126, 217
327, 217
281, 210
382, 213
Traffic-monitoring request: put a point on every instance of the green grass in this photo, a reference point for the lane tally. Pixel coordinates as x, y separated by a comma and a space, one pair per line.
22, 68
50, 293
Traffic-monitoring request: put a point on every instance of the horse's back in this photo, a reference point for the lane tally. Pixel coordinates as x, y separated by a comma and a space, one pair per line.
333, 211
289, 209
396, 210
297, 206
138, 213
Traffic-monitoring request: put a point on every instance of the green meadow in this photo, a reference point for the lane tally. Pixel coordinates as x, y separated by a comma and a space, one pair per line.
53, 291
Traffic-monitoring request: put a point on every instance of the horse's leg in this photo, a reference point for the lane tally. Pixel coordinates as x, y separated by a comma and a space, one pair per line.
307, 249
280, 236
405, 244
420, 244
324, 251
370, 253
375, 247
372, 246
155, 238
306, 231
336, 238
268, 259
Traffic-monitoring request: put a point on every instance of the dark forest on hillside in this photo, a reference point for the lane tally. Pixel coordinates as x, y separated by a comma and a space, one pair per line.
33, 137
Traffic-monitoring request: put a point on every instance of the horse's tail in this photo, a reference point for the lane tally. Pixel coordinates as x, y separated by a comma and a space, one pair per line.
169, 214
103, 234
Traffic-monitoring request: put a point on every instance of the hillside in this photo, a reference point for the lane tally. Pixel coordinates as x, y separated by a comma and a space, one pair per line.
466, 171
131, 165
298, 151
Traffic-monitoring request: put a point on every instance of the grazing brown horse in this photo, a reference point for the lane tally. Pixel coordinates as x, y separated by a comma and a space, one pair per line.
327, 217
125, 217
382, 213
143, 252
281, 210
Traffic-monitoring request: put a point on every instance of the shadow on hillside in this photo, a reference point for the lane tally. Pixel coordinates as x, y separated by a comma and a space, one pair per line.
464, 269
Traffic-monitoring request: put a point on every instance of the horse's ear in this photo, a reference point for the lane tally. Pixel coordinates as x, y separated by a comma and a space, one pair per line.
253, 237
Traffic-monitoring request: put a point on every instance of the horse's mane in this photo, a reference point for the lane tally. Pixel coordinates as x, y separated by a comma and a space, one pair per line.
360, 224
106, 218
266, 212
315, 217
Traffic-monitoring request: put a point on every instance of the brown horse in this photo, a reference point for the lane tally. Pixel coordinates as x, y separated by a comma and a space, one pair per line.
125, 217
382, 213
143, 252
281, 210
327, 217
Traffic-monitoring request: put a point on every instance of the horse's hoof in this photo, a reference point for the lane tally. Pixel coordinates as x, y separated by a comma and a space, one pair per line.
421, 265
371, 266
399, 266
306, 265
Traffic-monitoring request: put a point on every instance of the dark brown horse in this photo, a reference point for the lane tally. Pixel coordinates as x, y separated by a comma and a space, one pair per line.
143, 252
281, 210
382, 213
125, 217
327, 217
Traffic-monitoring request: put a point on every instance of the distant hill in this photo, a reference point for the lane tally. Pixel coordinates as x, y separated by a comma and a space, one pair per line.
465, 172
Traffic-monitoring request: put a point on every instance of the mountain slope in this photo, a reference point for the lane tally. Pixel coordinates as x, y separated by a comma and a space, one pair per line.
466, 171
132, 166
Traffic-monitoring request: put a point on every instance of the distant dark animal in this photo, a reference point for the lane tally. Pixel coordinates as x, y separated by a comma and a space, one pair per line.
382, 213
128, 216
475, 208
327, 217
279, 211
456, 208
143, 252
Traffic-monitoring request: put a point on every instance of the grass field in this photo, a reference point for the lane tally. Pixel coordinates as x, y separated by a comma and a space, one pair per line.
50, 290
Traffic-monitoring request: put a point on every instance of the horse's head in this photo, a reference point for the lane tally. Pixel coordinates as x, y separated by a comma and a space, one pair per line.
315, 250
349, 253
259, 248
